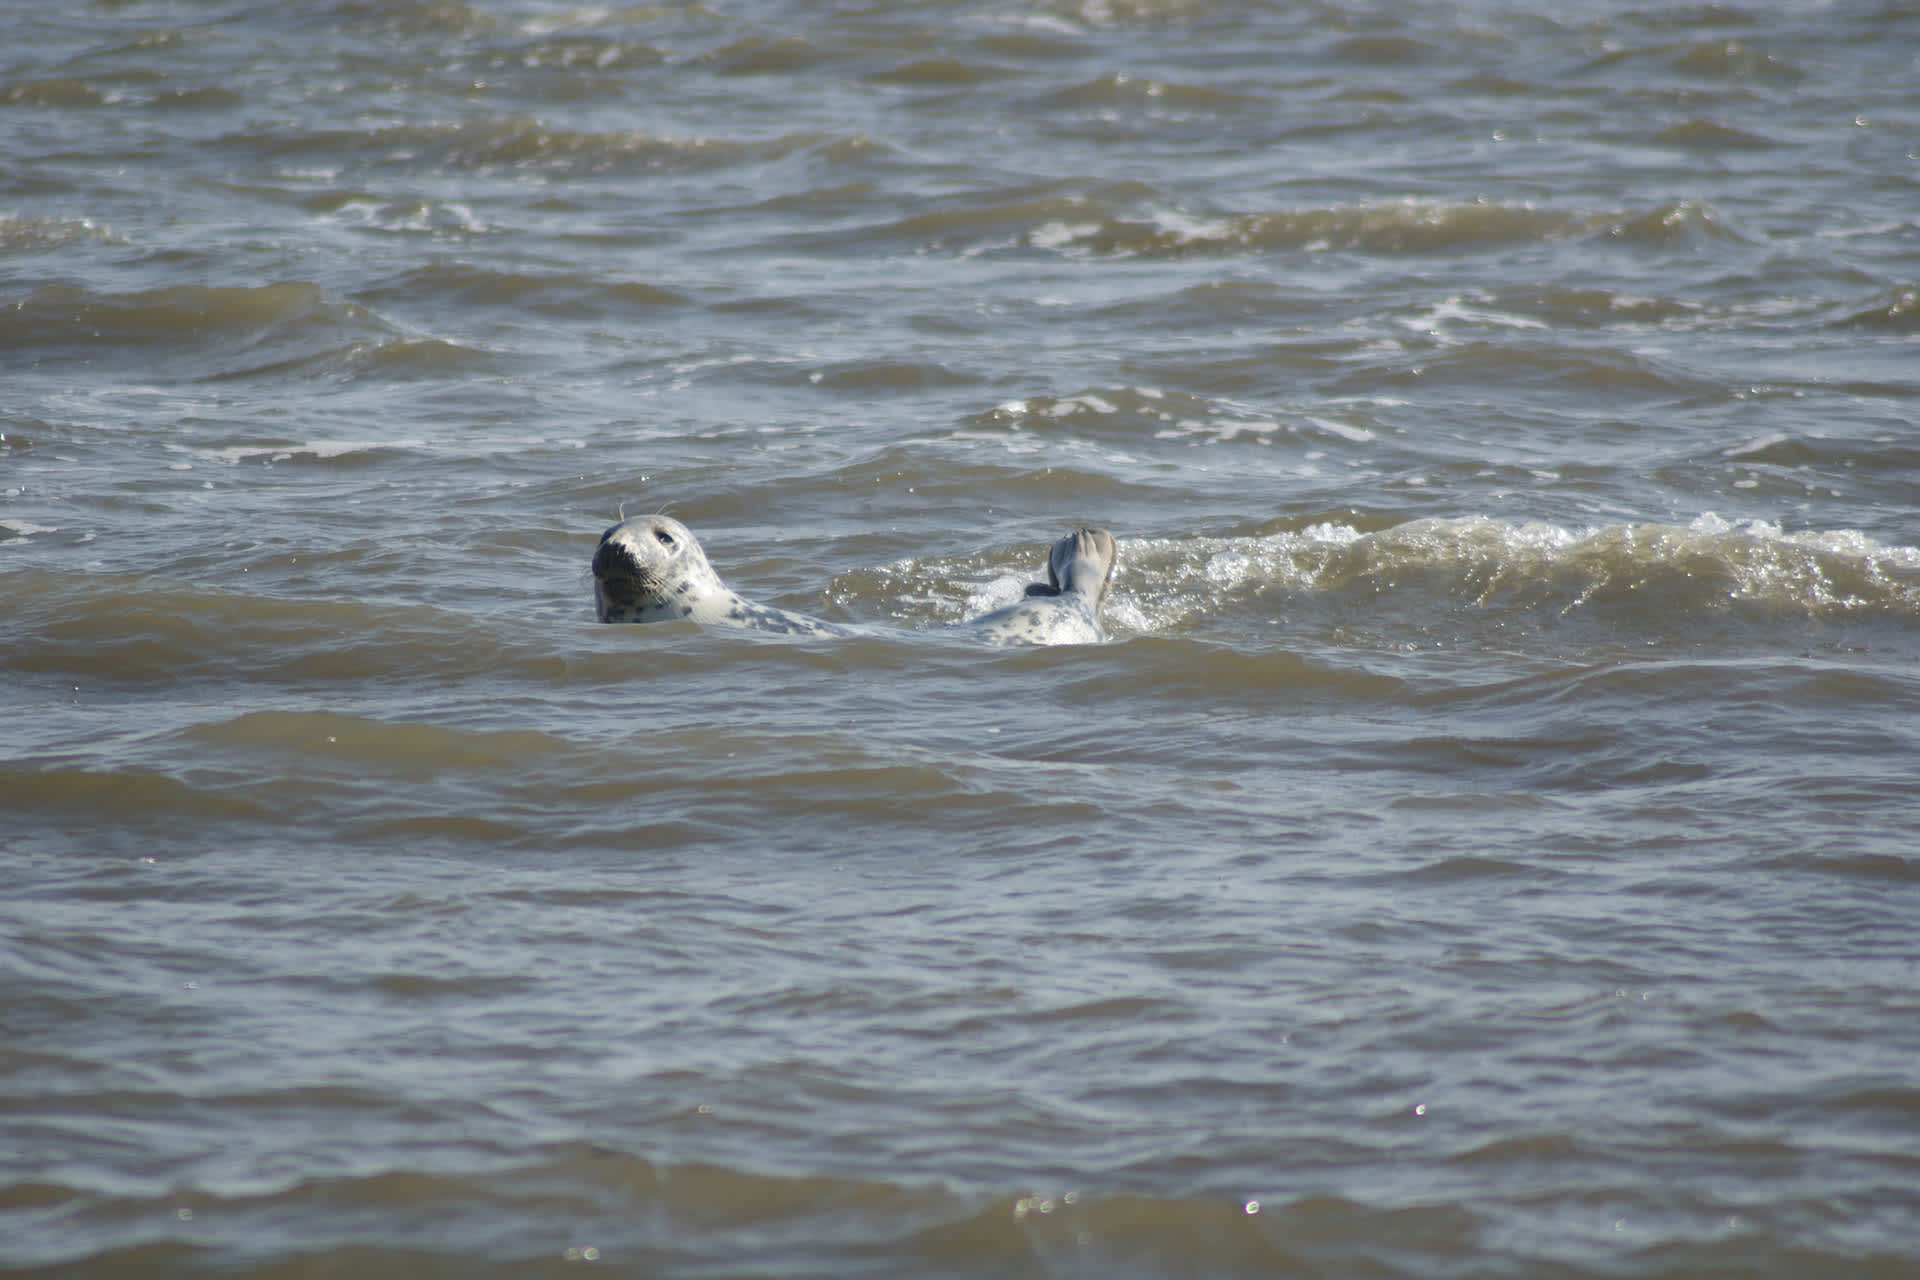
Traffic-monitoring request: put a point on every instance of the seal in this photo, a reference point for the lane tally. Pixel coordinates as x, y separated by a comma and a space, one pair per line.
1066, 608
652, 569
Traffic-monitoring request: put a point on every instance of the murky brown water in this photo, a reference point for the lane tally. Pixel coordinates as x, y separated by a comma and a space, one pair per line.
1486, 848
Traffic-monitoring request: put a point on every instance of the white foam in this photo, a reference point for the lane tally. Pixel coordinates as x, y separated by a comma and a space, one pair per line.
233, 455
1756, 445
1188, 229
1060, 235
1359, 435
997, 594
1084, 403
1460, 310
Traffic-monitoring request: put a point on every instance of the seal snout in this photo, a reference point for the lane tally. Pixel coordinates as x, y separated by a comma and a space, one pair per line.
613, 559
621, 582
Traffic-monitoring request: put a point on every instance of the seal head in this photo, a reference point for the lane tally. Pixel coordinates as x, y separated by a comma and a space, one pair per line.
651, 569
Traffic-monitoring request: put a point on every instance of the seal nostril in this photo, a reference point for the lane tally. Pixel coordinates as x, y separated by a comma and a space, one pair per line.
609, 558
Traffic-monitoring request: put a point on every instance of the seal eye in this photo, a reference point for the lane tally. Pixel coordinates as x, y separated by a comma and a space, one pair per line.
666, 539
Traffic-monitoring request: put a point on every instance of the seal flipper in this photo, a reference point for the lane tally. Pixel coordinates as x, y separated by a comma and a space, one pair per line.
1082, 564
1051, 587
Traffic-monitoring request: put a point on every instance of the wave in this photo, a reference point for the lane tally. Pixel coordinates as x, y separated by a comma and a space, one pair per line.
64, 315
564, 293
23, 235
1125, 220
523, 143
578, 1202
231, 331
1123, 415
567, 1203
1159, 97
1400, 581
1393, 228
1679, 224
1653, 572
569, 57
940, 73
51, 91
442, 18
766, 55
132, 631
1708, 135
1729, 60
1898, 313
1230, 304
91, 793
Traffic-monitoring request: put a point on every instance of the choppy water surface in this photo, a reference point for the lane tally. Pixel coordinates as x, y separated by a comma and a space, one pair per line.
1487, 847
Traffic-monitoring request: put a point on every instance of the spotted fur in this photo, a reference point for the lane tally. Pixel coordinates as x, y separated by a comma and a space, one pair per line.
1066, 609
